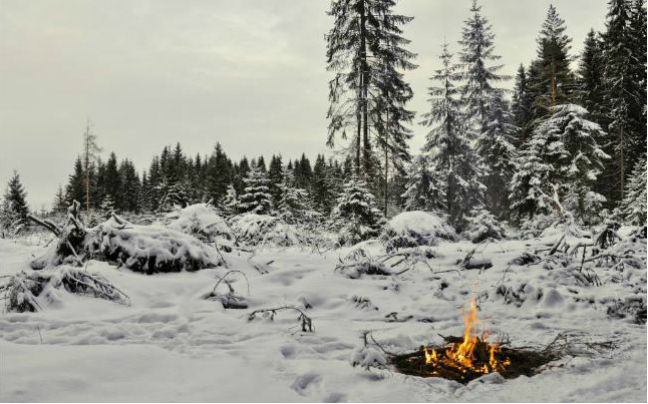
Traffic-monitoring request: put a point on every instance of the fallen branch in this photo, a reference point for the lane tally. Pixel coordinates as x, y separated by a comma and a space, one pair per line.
306, 322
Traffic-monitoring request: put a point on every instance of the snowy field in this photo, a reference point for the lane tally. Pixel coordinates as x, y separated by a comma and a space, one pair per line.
170, 344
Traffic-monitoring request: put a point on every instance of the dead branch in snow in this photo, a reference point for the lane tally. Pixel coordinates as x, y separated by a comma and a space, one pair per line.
306, 322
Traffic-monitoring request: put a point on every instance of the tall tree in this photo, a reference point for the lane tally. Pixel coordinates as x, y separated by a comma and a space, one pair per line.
448, 146
75, 190
551, 80
91, 151
478, 50
364, 42
522, 107
256, 196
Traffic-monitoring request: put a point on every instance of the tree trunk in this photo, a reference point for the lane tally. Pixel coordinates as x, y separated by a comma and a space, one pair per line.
364, 87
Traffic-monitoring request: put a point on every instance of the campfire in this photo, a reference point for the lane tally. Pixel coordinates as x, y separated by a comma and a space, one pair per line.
471, 356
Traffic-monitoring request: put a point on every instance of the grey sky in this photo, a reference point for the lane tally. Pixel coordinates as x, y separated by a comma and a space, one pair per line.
248, 73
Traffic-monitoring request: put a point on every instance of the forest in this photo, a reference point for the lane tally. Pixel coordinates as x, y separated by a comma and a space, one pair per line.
505, 257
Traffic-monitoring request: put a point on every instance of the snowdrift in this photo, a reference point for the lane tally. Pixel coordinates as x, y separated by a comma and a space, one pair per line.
255, 230
413, 229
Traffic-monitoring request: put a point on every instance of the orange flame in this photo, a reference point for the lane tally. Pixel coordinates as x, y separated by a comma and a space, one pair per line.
474, 352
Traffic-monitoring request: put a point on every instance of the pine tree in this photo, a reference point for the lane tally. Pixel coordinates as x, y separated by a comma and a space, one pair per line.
497, 153
75, 190
15, 200
113, 183
633, 205
478, 50
256, 196
59, 205
551, 81
230, 203
275, 173
625, 95
424, 189
522, 107
293, 203
131, 187
90, 153
365, 42
448, 146
356, 217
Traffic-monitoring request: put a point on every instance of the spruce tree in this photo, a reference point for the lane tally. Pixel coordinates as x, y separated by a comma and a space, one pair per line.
90, 154
256, 196
275, 173
522, 107
364, 43
219, 175
448, 146
526, 195
131, 187
477, 52
590, 77
633, 205
551, 81
230, 203
321, 190
75, 190
59, 205
292, 206
356, 216
15, 199
424, 189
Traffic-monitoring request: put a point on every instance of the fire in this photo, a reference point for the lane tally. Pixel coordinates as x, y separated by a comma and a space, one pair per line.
473, 354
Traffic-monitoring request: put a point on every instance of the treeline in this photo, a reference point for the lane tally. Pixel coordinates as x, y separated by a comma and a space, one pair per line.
173, 178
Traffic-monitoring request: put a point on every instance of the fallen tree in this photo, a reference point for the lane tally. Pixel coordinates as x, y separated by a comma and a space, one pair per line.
145, 249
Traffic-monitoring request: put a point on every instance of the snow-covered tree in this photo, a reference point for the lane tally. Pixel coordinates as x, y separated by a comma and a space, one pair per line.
497, 154
15, 197
477, 52
424, 187
256, 196
522, 107
634, 201
356, 217
526, 196
293, 203
448, 146
482, 225
230, 204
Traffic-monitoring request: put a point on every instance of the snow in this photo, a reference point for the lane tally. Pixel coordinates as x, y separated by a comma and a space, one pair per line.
170, 344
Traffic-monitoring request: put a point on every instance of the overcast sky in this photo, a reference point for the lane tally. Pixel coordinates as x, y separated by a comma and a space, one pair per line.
247, 73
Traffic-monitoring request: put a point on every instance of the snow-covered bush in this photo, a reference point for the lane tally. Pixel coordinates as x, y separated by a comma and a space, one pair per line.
203, 222
413, 229
483, 225
253, 230
256, 196
30, 292
356, 217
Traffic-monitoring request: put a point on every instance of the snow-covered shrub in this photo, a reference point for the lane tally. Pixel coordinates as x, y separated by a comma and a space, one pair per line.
483, 225
256, 196
356, 217
32, 291
203, 222
253, 229
413, 229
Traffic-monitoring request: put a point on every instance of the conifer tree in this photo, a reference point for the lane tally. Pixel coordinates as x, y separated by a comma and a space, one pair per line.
590, 77
59, 205
551, 81
256, 196
15, 200
477, 51
293, 203
130, 187
633, 205
497, 153
90, 153
522, 107
230, 203
356, 216
526, 195
321, 191
364, 41
424, 189
219, 175
448, 146
275, 173
75, 189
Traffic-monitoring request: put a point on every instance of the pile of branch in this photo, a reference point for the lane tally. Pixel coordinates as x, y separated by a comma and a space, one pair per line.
306, 322
229, 299
23, 292
395, 263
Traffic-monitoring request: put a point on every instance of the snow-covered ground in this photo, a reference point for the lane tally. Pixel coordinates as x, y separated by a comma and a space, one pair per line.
172, 345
